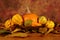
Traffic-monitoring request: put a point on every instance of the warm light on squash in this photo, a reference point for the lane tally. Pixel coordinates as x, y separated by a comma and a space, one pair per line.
31, 16
17, 19
50, 24
42, 19
8, 23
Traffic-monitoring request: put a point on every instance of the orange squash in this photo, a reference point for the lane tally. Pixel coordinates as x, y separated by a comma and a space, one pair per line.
33, 17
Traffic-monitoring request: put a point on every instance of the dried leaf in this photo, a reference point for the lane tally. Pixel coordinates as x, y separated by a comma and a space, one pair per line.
3, 31
19, 34
43, 30
50, 30
17, 29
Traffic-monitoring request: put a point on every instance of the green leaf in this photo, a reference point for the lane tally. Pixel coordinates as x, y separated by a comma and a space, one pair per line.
3, 31
28, 23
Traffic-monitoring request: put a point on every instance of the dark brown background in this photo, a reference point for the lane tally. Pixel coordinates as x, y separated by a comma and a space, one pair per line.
49, 8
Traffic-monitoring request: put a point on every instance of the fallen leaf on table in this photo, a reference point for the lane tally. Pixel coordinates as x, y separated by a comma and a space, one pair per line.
43, 30
3, 31
17, 29
19, 34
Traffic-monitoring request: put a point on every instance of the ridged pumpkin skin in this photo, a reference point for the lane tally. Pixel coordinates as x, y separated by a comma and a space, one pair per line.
17, 19
42, 19
50, 24
8, 24
33, 17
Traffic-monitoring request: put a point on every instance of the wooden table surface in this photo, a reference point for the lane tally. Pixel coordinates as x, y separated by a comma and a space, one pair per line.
35, 36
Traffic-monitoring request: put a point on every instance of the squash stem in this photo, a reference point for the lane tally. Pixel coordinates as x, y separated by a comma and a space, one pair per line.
28, 10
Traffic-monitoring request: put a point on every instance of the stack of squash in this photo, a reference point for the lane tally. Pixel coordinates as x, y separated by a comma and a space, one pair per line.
30, 21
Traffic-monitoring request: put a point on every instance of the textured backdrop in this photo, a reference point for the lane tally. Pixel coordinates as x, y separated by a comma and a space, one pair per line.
48, 8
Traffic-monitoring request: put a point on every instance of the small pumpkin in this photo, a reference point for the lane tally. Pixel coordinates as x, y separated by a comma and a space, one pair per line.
50, 24
17, 19
42, 19
8, 24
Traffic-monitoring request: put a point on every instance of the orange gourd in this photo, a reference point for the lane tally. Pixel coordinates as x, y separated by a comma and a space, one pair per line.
31, 16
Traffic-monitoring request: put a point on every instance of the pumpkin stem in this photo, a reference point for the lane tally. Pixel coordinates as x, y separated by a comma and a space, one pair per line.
28, 10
